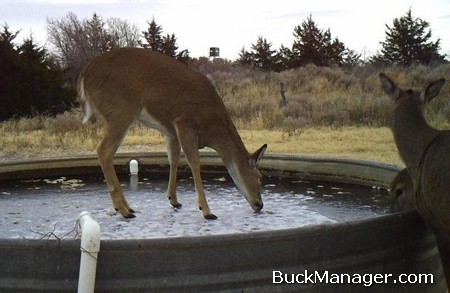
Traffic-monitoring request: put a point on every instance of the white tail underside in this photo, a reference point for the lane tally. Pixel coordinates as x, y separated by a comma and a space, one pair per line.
87, 105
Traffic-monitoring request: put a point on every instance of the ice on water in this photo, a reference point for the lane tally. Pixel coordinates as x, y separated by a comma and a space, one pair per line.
49, 209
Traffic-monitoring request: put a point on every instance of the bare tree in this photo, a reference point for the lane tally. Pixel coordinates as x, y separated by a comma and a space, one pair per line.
78, 41
123, 34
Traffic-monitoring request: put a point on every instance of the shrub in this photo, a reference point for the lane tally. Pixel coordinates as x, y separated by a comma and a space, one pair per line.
318, 96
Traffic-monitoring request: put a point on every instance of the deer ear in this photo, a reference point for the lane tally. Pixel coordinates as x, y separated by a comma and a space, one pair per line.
432, 90
389, 86
256, 156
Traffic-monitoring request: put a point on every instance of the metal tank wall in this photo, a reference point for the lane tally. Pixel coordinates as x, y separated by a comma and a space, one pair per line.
392, 244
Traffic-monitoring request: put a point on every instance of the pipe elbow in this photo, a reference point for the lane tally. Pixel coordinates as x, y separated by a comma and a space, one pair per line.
90, 233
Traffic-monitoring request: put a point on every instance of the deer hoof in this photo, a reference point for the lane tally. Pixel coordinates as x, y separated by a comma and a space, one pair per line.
177, 205
210, 217
129, 216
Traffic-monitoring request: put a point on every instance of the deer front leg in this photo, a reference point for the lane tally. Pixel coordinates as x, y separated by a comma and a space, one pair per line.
173, 152
189, 142
106, 150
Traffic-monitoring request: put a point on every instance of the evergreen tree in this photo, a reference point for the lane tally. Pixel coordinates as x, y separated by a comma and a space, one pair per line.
9, 73
351, 58
316, 46
169, 46
32, 53
44, 91
153, 36
7, 38
245, 57
408, 41
310, 44
286, 58
31, 84
261, 55
163, 44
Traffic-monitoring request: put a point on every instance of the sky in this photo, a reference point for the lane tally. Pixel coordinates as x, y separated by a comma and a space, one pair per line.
235, 24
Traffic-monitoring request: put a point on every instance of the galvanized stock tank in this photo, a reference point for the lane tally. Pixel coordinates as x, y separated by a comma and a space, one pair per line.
306, 259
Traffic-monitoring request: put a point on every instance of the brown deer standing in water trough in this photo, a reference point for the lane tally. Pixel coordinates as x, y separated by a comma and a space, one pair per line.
130, 84
402, 192
425, 151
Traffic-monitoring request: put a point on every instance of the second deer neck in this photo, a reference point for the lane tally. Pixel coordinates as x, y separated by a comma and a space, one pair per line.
412, 134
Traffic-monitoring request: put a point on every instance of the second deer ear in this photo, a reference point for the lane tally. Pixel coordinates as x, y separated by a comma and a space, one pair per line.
432, 90
389, 86
256, 156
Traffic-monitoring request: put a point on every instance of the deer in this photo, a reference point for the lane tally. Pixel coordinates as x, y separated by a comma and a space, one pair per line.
424, 150
401, 193
126, 85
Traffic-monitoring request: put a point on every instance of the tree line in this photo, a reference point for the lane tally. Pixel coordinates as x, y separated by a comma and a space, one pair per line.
408, 42
31, 82
34, 81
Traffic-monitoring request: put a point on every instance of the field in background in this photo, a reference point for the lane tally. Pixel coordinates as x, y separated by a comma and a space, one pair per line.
65, 135
319, 96
329, 111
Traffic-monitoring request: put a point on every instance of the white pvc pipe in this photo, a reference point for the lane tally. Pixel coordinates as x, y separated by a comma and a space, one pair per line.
134, 182
134, 167
90, 246
134, 179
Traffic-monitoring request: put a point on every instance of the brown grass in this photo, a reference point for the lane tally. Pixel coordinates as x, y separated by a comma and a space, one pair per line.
375, 144
319, 96
330, 112
65, 135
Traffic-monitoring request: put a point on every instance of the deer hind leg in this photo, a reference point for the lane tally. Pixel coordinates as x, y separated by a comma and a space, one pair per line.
173, 152
106, 150
189, 142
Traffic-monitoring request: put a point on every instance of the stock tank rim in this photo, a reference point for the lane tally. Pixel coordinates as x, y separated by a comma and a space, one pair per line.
395, 243
344, 170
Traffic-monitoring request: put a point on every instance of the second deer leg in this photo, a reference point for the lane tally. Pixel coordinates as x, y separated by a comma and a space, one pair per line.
173, 152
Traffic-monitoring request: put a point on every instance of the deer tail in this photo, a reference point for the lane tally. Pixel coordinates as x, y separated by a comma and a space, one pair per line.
85, 103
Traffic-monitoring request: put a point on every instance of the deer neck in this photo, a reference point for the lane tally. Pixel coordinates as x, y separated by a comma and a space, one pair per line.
230, 148
235, 158
412, 134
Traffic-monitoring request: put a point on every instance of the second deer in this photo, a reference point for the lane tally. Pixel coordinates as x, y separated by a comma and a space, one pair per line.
402, 192
425, 152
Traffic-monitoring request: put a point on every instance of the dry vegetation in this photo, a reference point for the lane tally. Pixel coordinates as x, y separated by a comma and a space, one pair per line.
329, 112
320, 96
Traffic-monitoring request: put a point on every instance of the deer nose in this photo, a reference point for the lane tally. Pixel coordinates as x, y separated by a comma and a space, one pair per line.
258, 206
